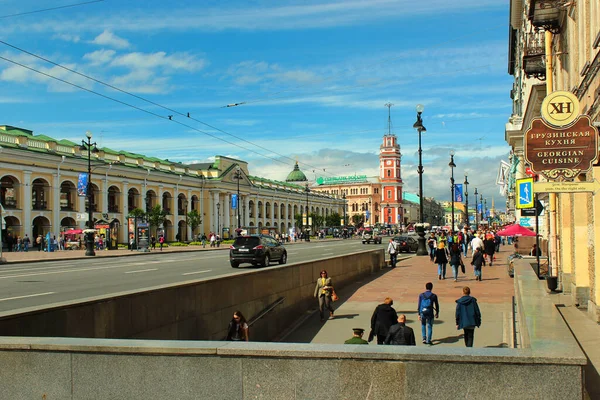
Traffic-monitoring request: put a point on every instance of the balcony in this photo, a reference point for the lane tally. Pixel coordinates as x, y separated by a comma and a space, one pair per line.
9, 204
545, 14
534, 58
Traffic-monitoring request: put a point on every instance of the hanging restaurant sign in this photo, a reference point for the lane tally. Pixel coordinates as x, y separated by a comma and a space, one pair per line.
563, 144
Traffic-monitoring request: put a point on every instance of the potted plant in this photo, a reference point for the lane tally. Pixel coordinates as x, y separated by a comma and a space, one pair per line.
552, 282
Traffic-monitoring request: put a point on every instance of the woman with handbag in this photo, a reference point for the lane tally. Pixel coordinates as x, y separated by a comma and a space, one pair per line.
455, 259
324, 292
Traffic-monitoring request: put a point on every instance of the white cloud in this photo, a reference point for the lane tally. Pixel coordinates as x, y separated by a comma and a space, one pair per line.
67, 37
175, 61
99, 57
107, 38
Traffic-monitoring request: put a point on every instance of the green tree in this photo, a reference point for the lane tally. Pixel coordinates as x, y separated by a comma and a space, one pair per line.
357, 220
157, 216
194, 219
317, 221
136, 213
298, 220
333, 219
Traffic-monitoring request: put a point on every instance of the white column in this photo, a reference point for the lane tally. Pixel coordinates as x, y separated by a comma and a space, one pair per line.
125, 231
26, 204
272, 209
55, 203
81, 209
190, 234
105, 195
215, 218
227, 212
246, 220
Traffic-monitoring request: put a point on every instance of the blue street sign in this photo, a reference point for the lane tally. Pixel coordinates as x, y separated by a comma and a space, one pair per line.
524, 188
367, 214
234, 201
82, 184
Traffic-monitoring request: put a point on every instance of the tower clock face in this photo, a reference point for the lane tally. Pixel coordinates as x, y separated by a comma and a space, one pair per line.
389, 162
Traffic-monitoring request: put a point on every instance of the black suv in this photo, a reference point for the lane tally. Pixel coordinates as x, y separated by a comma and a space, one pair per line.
256, 249
406, 243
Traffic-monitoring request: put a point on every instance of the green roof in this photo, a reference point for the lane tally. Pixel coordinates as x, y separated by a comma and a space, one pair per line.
411, 197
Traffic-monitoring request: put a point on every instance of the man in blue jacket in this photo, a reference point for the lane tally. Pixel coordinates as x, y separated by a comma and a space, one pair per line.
427, 308
468, 315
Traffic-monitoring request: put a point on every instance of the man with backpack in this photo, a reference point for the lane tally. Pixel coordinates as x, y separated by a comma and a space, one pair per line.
428, 308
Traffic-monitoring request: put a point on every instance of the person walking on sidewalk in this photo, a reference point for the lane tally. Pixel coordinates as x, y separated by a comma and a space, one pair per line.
477, 262
357, 337
393, 252
400, 334
455, 259
382, 319
427, 308
324, 291
468, 316
161, 241
489, 246
441, 259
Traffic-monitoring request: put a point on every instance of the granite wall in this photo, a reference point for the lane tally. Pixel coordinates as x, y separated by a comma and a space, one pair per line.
197, 310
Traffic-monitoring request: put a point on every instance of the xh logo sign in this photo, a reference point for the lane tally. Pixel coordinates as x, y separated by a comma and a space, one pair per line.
561, 108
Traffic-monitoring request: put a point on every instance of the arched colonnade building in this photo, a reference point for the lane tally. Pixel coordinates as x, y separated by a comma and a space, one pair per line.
38, 190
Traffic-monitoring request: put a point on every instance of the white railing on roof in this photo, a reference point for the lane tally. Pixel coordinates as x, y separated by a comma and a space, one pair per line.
64, 149
149, 164
111, 157
165, 167
37, 144
180, 170
8, 139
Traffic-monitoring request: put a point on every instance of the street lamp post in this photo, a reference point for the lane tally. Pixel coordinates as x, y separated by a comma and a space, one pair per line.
238, 175
476, 211
466, 201
485, 214
481, 204
418, 125
344, 205
307, 190
452, 166
89, 236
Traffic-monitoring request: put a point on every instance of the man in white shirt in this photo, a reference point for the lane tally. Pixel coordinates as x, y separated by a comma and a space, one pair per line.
393, 252
476, 243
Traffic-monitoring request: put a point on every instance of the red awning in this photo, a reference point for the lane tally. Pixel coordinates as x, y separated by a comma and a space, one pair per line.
73, 232
516, 230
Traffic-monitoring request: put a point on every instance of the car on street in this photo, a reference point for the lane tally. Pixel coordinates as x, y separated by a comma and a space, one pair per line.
406, 243
256, 249
369, 236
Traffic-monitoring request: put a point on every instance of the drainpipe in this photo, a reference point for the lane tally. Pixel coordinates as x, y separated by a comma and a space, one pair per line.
552, 237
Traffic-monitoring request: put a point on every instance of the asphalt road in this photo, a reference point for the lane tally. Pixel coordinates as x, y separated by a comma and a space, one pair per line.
37, 284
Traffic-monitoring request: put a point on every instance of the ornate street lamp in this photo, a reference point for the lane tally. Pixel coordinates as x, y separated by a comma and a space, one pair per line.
476, 211
481, 203
344, 198
307, 190
418, 125
238, 175
452, 166
467, 201
89, 236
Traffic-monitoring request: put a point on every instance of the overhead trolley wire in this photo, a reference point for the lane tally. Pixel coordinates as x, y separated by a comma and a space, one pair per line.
50, 9
147, 101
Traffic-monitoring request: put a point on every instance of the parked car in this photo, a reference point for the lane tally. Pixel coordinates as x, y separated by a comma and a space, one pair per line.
406, 243
256, 249
369, 236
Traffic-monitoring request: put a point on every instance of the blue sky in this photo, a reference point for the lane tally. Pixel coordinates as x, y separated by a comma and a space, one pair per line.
314, 76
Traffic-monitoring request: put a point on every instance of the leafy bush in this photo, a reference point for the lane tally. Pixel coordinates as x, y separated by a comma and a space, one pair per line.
195, 243
178, 244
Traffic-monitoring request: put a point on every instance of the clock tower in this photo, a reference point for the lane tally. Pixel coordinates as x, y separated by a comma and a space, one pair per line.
390, 178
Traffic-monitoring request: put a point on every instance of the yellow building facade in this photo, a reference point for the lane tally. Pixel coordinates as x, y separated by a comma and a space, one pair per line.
555, 46
38, 191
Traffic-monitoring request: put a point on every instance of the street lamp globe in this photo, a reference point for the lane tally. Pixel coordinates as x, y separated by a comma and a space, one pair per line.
88, 134
420, 108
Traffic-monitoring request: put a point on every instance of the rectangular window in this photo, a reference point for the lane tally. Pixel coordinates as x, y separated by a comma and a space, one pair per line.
389, 194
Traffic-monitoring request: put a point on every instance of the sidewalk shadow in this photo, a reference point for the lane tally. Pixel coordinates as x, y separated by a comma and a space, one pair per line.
447, 340
498, 346
346, 316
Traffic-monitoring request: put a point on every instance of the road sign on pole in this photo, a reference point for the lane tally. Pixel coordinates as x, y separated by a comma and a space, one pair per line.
524, 193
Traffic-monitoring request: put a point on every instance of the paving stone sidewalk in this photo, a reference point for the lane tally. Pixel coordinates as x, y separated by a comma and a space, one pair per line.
404, 284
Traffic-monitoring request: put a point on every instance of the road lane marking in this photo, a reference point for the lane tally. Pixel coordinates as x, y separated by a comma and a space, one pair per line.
141, 270
197, 272
24, 297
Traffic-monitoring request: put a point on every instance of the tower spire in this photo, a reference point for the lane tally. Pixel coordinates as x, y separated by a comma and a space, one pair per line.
389, 106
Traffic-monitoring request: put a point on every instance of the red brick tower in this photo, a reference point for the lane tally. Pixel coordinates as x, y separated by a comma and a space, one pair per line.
390, 176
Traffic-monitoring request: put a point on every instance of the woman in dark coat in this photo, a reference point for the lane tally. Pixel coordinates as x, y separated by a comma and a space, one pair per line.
383, 318
441, 259
477, 262
489, 245
455, 255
